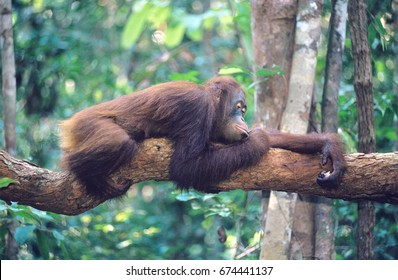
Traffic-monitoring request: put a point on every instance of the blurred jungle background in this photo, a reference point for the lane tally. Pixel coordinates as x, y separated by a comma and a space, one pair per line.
73, 54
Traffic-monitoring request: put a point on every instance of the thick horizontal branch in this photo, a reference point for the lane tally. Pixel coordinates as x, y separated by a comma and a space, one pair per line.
370, 177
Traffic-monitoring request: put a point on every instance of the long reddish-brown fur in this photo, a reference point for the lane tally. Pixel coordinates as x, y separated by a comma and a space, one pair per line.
98, 140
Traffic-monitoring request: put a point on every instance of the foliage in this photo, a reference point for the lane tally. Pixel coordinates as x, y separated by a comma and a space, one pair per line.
184, 226
5, 182
38, 232
384, 60
72, 54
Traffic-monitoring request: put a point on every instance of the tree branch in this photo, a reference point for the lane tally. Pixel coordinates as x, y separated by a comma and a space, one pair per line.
369, 176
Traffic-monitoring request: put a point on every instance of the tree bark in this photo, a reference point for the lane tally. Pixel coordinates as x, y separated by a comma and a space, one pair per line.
302, 241
296, 115
363, 85
277, 242
273, 24
334, 65
369, 176
8, 77
278, 226
9, 89
324, 236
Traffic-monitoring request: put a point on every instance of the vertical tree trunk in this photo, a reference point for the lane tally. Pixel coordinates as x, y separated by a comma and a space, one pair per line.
278, 227
302, 241
9, 104
8, 77
363, 85
273, 25
301, 89
324, 236
302, 79
334, 63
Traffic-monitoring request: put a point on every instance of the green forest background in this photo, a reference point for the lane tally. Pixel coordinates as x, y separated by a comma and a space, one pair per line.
73, 54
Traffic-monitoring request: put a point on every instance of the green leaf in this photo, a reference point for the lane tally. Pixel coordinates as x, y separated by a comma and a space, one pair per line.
219, 210
391, 135
25, 214
230, 70
195, 35
395, 108
58, 237
186, 196
22, 233
42, 215
209, 20
388, 117
64, 251
5, 182
174, 35
208, 196
42, 241
134, 27
188, 76
276, 70
159, 16
378, 26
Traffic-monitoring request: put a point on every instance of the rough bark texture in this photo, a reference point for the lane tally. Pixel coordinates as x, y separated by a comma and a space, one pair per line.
302, 241
365, 231
363, 85
308, 29
8, 77
273, 37
324, 236
369, 176
324, 233
301, 85
363, 82
278, 229
334, 65
9, 105
273, 24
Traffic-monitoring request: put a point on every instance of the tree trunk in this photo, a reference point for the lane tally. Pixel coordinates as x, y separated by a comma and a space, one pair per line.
301, 85
8, 74
278, 226
334, 65
324, 236
9, 104
273, 38
324, 233
363, 85
302, 242
273, 25
302, 80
